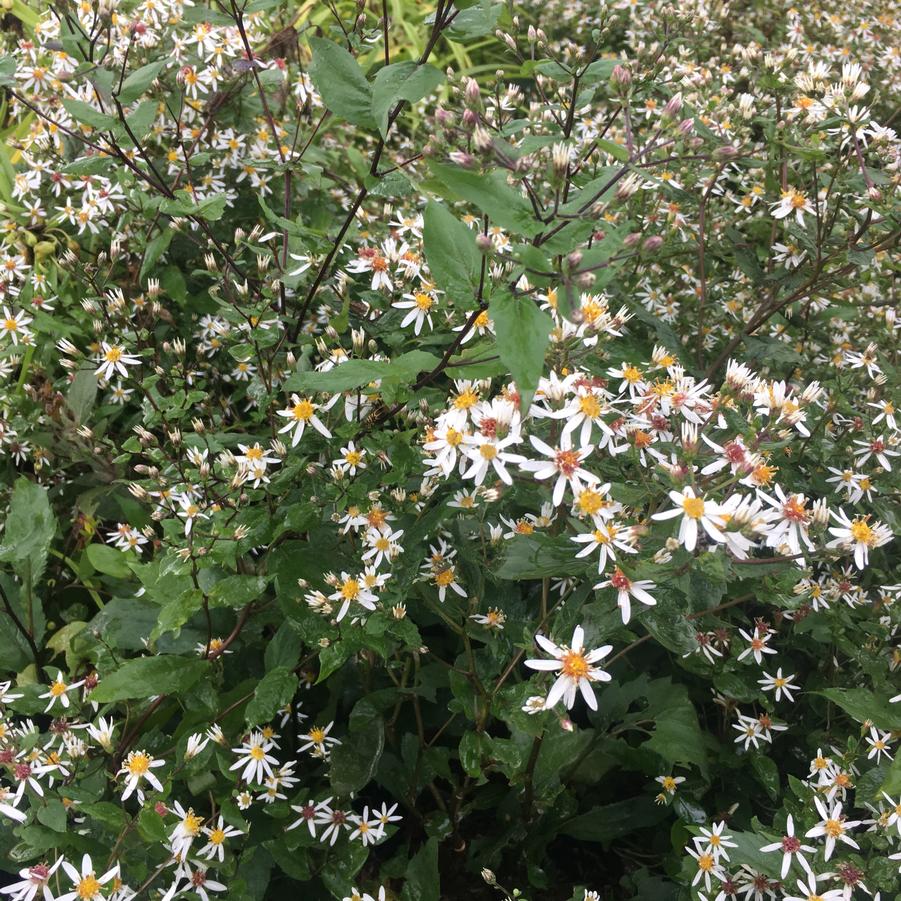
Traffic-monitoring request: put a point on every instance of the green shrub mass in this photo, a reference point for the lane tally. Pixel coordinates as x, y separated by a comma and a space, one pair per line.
447, 450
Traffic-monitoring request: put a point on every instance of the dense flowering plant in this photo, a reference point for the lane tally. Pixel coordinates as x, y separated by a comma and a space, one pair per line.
449, 450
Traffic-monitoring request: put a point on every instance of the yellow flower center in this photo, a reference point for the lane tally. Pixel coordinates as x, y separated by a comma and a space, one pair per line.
861, 532
575, 665
88, 887
113, 355
302, 411
466, 399
693, 507
350, 589
57, 689
138, 764
217, 836
191, 823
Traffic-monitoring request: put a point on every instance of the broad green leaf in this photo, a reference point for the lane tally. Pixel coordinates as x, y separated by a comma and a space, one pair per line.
475, 22
865, 706
85, 114
273, 691
53, 815
341, 82
354, 762
504, 204
7, 70
598, 189
151, 826
139, 81
210, 208
109, 560
30, 527
423, 878
141, 119
401, 81
146, 677
154, 250
177, 612
357, 373
767, 773
522, 332
82, 392
450, 248
610, 821
237, 590
677, 736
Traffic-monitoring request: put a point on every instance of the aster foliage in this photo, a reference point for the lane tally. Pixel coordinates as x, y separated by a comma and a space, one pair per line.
449, 450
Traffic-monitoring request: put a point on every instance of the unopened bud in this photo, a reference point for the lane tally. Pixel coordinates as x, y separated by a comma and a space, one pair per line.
673, 107
483, 242
651, 244
621, 79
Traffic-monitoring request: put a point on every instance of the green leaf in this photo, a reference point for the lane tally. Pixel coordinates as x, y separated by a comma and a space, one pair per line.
450, 248
139, 81
53, 815
341, 82
155, 249
177, 612
617, 151
108, 560
211, 208
273, 691
237, 591
151, 826
423, 879
30, 527
401, 81
767, 774
83, 392
865, 706
677, 736
141, 119
610, 821
149, 676
86, 114
470, 752
357, 373
598, 189
522, 332
354, 762
668, 624
474, 22
7, 70
504, 204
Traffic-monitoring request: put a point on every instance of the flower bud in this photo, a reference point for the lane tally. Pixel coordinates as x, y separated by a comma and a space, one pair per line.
673, 107
621, 79
652, 244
